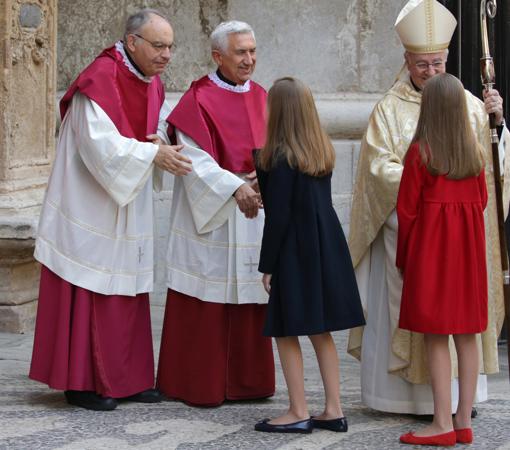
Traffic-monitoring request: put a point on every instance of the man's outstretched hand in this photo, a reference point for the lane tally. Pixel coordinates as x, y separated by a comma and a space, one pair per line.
168, 157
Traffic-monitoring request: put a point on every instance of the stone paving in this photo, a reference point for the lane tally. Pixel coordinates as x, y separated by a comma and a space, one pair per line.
35, 417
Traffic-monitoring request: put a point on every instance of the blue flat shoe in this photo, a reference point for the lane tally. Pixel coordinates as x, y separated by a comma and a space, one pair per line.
303, 426
338, 425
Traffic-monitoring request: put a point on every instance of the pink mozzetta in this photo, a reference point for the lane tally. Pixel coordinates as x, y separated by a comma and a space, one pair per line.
226, 124
132, 104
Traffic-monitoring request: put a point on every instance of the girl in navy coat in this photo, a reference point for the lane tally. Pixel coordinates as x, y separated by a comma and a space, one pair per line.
304, 257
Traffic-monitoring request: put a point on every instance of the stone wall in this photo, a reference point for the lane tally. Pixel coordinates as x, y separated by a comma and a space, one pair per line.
27, 135
334, 46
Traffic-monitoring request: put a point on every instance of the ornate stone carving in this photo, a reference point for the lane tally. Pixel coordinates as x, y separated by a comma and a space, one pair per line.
27, 138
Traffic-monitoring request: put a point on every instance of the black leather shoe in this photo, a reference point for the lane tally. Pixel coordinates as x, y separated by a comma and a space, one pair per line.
90, 400
303, 426
148, 396
339, 425
474, 412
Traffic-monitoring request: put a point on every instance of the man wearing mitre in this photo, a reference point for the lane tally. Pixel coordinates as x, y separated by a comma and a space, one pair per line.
393, 368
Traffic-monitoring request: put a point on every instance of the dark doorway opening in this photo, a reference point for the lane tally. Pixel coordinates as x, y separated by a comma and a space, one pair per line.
465, 48
464, 60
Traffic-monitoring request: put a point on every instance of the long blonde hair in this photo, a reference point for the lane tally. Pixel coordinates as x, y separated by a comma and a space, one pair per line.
294, 130
448, 145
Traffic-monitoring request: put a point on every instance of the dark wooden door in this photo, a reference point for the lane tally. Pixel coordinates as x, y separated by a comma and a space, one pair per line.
465, 53
465, 48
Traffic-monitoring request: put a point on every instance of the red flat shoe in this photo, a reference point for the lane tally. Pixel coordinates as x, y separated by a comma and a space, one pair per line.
464, 435
444, 440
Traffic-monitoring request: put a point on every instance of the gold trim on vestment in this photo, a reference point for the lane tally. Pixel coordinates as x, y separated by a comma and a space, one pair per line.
429, 23
426, 48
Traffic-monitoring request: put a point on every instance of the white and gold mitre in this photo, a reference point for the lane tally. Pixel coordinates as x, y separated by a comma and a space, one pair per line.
425, 26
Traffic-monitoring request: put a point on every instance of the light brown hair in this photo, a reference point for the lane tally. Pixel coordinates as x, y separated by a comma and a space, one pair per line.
448, 145
294, 130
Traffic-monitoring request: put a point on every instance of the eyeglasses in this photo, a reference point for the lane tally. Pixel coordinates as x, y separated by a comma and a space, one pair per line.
436, 65
158, 46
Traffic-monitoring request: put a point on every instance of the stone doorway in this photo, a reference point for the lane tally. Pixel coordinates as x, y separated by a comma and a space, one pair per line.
27, 137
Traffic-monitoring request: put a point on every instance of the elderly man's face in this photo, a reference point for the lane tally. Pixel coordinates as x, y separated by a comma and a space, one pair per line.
424, 66
238, 62
151, 46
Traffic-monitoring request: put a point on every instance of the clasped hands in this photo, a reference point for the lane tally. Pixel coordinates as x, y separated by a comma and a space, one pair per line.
248, 196
168, 157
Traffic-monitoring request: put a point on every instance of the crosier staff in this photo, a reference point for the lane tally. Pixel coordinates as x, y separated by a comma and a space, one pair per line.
489, 8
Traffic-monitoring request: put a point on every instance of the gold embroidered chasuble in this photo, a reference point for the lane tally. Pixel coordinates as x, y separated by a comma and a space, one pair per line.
390, 130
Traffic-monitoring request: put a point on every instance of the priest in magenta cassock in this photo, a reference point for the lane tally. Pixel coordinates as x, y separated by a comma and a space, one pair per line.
95, 239
212, 348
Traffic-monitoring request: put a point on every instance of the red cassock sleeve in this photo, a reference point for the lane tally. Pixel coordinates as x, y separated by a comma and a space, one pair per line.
408, 201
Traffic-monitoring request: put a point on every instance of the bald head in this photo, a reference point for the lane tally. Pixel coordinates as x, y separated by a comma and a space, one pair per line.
136, 21
149, 39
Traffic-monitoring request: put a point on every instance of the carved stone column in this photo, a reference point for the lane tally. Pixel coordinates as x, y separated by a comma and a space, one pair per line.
27, 141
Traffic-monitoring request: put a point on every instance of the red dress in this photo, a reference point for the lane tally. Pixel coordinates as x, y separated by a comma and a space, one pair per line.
441, 250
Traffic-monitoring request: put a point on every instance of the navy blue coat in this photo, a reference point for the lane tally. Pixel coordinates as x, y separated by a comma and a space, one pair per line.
313, 287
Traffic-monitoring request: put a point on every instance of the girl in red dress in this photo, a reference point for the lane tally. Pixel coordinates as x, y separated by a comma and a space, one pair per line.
441, 252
